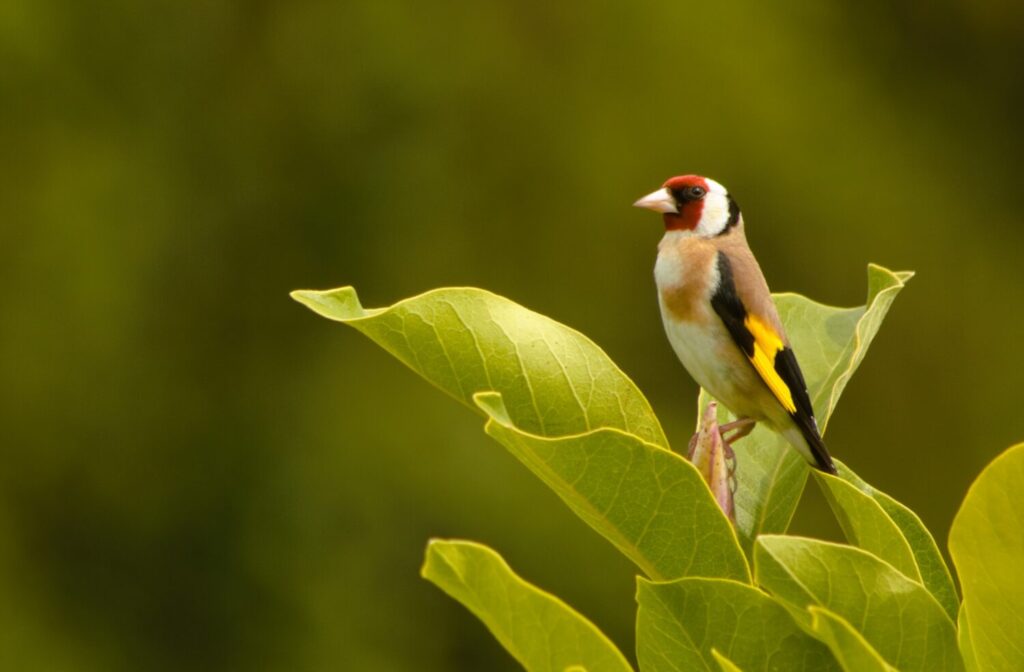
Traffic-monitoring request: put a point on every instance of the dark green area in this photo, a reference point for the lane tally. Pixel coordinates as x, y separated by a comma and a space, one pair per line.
200, 475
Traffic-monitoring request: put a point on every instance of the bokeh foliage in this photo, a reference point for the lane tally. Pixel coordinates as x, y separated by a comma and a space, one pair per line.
198, 476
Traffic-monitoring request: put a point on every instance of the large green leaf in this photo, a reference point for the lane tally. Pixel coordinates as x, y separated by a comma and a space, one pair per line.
830, 344
564, 409
847, 645
898, 618
865, 528
539, 630
867, 525
681, 624
965, 641
554, 380
651, 503
987, 545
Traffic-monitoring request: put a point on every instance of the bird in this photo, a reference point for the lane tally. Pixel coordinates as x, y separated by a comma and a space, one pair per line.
720, 319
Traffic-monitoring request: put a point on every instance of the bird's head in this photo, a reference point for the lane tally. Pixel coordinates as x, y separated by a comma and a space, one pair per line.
695, 204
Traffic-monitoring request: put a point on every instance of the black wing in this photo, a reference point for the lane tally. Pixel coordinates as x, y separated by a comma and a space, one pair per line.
773, 360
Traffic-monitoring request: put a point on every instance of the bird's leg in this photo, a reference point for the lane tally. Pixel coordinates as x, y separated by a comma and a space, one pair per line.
739, 429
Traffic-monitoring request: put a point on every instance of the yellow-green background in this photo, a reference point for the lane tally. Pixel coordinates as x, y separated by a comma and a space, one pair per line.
199, 474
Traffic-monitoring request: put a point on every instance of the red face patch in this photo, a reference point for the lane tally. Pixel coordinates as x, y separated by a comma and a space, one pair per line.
690, 209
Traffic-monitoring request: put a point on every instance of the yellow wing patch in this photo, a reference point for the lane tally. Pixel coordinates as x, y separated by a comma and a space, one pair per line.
767, 345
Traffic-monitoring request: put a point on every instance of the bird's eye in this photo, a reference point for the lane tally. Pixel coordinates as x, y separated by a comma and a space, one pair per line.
696, 192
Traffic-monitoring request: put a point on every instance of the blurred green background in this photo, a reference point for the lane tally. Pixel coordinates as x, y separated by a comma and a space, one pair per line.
199, 474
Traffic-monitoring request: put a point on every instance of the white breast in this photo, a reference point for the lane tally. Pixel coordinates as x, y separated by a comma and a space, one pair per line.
702, 343
696, 340
698, 347
670, 269
715, 363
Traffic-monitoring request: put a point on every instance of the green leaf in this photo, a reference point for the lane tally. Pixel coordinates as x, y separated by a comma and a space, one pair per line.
987, 545
724, 663
965, 641
847, 645
681, 623
867, 525
539, 630
565, 410
899, 618
830, 344
649, 502
883, 286
554, 380
928, 559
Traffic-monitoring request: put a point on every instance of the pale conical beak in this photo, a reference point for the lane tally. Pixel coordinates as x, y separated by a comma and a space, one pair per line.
659, 201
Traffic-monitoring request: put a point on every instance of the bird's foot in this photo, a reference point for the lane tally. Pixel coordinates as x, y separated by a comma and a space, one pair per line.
739, 429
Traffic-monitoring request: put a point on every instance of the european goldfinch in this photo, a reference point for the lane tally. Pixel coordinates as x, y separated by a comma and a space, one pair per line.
720, 317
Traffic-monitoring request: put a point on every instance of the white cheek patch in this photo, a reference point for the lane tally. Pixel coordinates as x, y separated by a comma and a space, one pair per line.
715, 187
715, 215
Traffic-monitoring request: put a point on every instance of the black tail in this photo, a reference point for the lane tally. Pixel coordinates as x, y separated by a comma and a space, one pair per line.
809, 429
803, 413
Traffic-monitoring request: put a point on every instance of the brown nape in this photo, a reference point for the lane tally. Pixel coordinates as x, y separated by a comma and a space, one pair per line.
751, 286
